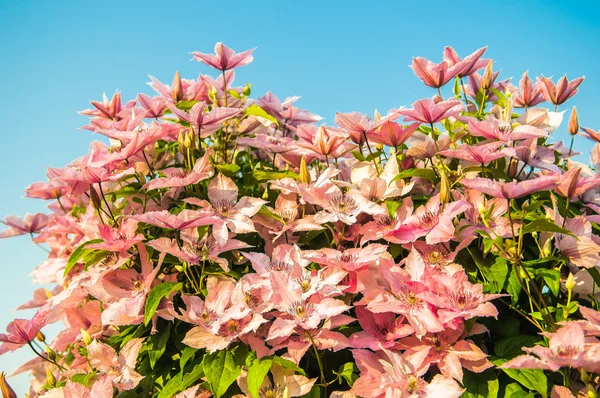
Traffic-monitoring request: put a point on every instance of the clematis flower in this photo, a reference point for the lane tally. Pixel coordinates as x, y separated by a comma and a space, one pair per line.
431, 221
495, 129
511, 190
284, 383
226, 210
102, 388
388, 374
183, 220
268, 143
536, 156
31, 224
190, 90
567, 348
107, 109
572, 185
482, 153
285, 112
155, 107
204, 123
471, 64
447, 351
428, 111
355, 123
529, 94
437, 75
22, 331
119, 239
393, 134
558, 94
224, 58
119, 368
379, 187
380, 330
323, 141
178, 177
591, 134
542, 118
485, 215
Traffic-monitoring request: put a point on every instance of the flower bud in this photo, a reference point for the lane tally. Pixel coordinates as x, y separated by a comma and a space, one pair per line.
304, 173
177, 92
486, 80
444, 187
591, 391
187, 141
96, 203
573, 127
87, 339
570, 283
246, 91
5, 388
50, 379
377, 117
40, 336
523, 274
437, 99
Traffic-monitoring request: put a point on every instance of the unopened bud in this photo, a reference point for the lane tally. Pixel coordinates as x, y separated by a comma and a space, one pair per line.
444, 187
523, 274
377, 116
177, 93
50, 379
570, 283
40, 336
304, 173
591, 391
437, 99
96, 203
51, 353
7, 391
187, 141
247, 90
486, 80
379, 147
573, 127
87, 339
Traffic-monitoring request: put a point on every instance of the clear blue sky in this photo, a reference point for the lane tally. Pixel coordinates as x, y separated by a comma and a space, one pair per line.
338, 55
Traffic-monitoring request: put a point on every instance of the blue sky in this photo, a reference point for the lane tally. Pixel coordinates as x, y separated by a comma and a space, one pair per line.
338, 55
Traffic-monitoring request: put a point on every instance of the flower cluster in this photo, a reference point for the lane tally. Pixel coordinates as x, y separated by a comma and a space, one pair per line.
218, 245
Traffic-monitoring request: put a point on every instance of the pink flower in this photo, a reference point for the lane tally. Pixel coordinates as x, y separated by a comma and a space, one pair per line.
482, 153
154, 107
120, 369
323, 141
23, 331
571, 185
561, 92
428, 111
31, 224
567, 348
392, 134
511, 190
204, 123
107, 109
471, 64
529, 94
225, 58
119, 239
178, 177
380, 330
494, 129
183, 220
285, 112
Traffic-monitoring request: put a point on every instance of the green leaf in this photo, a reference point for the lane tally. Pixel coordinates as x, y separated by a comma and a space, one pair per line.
594, 274
532, 379
552, 279
83, 378
359, 156
158, 343
512, 286
228, 170
347, 372
186, 105
543, 225
257, 372
157, 294
256, 110
514, 390
187, 354
510, 347
182, 381
284, 363
222, 368
496, 274
78, 254
428, 174
481, 385
258, 176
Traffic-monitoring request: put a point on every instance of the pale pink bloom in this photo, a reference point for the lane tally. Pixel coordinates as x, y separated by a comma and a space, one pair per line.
481, 153
471, 64
561, 392
23, 331
30, 224
436, 75
529, 94
422, 146
591, 134
387, 374
285, 112
204, 123
192, 90
542, 118
224, 58
226, 210
380, 330
511, 190
287, 218
183, 220
355, 124
495, 224
571, 184
567, 348
423, 257
447, 351
285, 258
350, 260
429, 111
46, 190
537, 156
195, 251
154, 107
395, 291
392, 134
561, 92
495, 129
120, 368
377, 187
591, 325
457, 298
119, 239
178, 177
382, 224
432, 220
102, 388
268, 143
323, 141
284, 383
40, 297
107, 109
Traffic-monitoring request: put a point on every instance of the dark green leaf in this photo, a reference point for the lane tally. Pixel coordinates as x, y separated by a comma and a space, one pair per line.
481, 385
157, 343
543, 225
256, 374
532, 379
228, 170
222, 368
428, 174
510, 347
78, 254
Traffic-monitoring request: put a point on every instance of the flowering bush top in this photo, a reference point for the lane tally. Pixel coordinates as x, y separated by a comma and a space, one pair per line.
224, 246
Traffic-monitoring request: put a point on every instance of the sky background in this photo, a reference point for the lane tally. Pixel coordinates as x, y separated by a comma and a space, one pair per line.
338, 55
